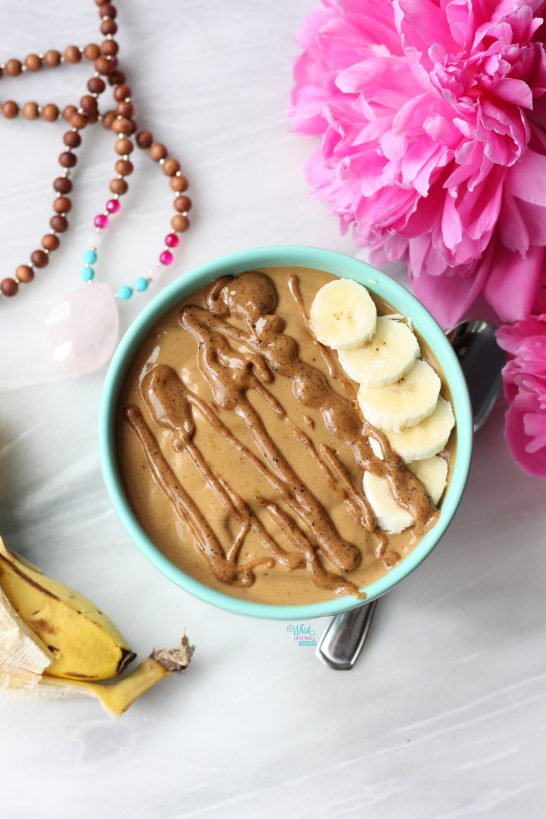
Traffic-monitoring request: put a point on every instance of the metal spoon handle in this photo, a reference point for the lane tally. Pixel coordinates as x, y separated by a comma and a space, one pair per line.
342, 642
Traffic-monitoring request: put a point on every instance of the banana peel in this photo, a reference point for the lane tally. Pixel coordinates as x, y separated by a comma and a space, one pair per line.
65, 621
55, 643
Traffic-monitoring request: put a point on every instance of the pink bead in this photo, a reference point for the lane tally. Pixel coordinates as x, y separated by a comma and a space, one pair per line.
166, 257
171, 240
101, 221
112, 206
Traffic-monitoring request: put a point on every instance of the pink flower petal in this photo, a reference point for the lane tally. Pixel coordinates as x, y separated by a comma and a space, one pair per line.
521, 425
449, 297
526, 179
513, 282
512, 226
514, 91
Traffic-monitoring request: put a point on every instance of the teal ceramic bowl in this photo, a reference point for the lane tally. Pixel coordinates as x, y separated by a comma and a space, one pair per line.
262, 258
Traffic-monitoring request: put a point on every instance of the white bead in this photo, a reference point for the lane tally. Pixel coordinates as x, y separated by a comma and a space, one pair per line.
95, 239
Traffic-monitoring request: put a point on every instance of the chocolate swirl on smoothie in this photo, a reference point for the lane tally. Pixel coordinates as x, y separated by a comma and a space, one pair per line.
243, 348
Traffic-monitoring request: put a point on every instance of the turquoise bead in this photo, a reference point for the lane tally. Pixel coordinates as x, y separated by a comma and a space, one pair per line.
124, 292
88, 273
90, 257
141, 284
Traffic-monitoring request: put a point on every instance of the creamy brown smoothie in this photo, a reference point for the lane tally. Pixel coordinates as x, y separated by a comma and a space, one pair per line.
242, 447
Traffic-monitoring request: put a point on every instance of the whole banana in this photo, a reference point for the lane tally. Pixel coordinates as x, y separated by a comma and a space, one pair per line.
54, 642
84, 643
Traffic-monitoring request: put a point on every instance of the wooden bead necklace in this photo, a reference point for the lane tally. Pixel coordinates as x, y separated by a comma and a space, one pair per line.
69, 352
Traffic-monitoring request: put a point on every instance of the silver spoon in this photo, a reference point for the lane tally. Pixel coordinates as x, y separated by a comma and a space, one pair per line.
481, 360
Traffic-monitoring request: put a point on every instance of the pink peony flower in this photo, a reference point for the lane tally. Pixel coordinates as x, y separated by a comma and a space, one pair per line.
525, 390
431, 148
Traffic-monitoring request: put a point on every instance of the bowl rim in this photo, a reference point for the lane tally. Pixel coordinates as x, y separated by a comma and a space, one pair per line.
283, 256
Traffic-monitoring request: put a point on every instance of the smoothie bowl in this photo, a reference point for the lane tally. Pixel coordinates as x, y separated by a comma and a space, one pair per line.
285, 432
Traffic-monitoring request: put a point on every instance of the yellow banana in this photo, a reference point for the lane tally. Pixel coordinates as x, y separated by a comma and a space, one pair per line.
54, 643
116, 697
84, 643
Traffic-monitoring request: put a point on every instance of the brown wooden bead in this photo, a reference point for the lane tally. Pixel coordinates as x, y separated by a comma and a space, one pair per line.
180, 223
108, 10
10, 109
109, 48
182, 204
33, 62
50, 112
59, 223
89, 104
123, 146
62, 204
50, 241
119, 186
62, 184
122, 125
52, 58
179, 183
125, 109
124, 167
144, 139
77, 120
108, 27
108, 119
91, 51
171, 166
92, 118
68, 110
72, 54
96, 85
104, 65
13, 68
30, 110
122, 92
72, 139
9, 287
39, 258
158, 151
24, 273
67, 159
117, 77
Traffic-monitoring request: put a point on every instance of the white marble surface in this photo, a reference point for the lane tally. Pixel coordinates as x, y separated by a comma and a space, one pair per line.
446, 714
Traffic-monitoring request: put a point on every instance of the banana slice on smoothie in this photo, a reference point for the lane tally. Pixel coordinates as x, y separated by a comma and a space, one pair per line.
391, 517
426, 438
391, 352
405, 403
343, 314
432, 472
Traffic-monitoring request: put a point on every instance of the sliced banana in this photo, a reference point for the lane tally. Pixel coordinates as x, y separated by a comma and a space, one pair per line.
389, 355
427, 438
343, 314
405, 403
376, 448
391, 517
432, 472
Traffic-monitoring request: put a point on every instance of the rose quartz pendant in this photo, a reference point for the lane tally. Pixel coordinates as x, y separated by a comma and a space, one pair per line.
82, 330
